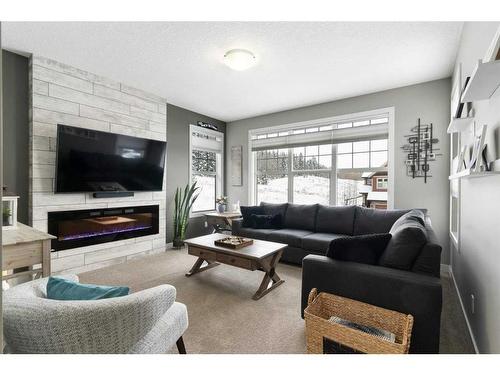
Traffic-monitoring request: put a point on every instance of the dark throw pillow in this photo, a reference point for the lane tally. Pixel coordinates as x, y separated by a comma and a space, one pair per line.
365, 249
247, 212
408, 238
266, 221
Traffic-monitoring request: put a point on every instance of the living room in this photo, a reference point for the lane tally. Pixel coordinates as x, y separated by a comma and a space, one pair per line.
250, 187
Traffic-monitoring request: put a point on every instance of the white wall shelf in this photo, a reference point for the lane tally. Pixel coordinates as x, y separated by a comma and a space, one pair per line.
458, 125
484, 81
467, 173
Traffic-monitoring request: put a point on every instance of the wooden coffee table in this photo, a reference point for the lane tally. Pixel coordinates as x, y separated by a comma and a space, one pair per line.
261, 255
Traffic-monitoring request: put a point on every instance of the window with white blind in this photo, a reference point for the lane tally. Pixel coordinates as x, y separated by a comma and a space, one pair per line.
206, 149
320, 161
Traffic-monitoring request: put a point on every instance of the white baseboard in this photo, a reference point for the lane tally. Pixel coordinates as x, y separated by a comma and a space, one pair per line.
463, 310
445, 269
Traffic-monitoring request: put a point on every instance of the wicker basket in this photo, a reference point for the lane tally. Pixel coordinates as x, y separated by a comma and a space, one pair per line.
319, 330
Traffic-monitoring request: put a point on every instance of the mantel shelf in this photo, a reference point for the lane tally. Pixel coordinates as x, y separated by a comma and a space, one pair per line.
458, 125
484, 81
467, 173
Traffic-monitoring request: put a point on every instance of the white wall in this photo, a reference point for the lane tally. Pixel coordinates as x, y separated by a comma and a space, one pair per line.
476, 265
429, 101
61, 94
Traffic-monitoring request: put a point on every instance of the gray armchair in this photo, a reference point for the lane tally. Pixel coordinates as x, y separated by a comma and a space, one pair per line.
148, 321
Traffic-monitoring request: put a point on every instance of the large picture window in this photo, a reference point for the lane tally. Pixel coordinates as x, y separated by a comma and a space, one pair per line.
206, 149
272, 175
204, 172
309, 165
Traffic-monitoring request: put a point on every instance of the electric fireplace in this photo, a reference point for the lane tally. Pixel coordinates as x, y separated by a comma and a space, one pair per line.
89, 227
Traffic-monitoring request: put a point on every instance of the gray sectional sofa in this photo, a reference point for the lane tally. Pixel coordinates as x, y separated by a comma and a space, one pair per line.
308, 231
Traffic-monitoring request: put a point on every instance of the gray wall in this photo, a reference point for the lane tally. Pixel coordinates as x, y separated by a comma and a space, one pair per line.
429, 101
178, 120
15, 156
475, 265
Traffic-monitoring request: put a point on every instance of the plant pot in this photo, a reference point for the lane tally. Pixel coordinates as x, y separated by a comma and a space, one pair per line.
221, 208
178, 243
6, 219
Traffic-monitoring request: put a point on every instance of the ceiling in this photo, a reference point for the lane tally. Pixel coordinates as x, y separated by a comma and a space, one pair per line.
299, 63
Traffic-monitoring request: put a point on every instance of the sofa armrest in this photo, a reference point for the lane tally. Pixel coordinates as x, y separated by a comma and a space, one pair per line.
236, 226
407, 292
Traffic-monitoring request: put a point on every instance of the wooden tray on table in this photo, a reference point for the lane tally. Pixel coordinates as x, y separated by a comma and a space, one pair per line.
233, 242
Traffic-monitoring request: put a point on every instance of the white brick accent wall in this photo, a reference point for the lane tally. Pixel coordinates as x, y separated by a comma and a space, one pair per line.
61, 94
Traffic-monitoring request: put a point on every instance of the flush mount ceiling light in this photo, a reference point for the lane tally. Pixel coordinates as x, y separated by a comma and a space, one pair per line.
239, 59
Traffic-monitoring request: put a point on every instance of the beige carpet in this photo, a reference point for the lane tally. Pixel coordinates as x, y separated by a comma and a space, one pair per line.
223, 318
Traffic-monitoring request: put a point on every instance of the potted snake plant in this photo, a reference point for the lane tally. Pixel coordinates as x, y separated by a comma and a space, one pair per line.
183, 202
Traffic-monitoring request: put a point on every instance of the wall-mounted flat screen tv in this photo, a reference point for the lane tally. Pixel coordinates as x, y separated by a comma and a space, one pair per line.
96, 161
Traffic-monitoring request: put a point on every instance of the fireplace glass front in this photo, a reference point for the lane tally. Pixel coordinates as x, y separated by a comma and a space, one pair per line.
89, 227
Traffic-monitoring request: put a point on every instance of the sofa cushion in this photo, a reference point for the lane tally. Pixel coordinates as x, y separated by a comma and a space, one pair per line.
258, 234
301, 216
429, 260
365, 249
408, 239
372, 220
292, 237
247, 212
413, 215
339, 219
319, 242
266, 221
274, 208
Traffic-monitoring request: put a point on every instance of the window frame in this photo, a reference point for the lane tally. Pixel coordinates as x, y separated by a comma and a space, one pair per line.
219, 164
288, 128
381, 183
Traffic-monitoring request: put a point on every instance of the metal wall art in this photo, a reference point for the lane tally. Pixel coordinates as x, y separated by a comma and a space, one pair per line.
420, 149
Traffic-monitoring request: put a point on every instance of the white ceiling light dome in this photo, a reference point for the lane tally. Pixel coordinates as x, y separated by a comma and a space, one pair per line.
239, 59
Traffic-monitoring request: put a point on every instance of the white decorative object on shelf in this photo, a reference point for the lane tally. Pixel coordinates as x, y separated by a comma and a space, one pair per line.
458, 125
9, 211
484, 81
493, 52
468, 173
456, 91
478, 149
460, 160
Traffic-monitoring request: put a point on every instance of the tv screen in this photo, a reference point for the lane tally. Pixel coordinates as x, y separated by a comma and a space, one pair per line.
92, 161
